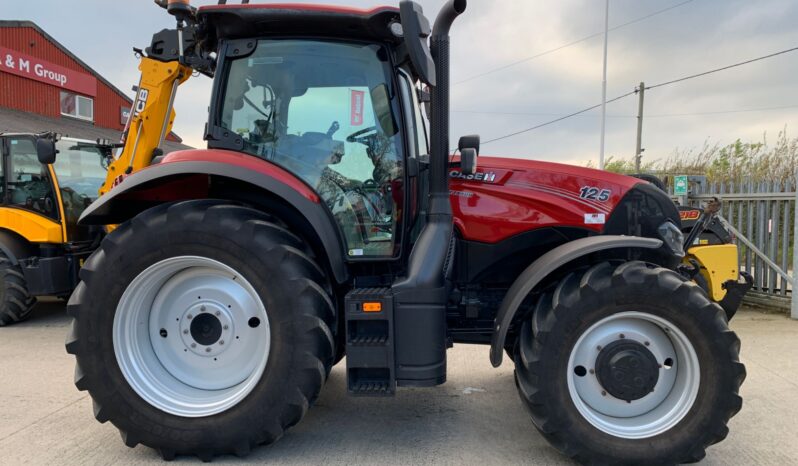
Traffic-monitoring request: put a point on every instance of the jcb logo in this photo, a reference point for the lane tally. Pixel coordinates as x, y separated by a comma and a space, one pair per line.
141, 100
689, 214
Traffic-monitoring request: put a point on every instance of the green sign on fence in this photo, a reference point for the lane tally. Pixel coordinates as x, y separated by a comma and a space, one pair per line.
680, 185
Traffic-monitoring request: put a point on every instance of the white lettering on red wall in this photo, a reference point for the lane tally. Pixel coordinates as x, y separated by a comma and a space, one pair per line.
20, 64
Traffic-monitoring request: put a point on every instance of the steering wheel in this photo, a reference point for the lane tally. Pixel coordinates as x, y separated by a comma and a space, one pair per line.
364, 136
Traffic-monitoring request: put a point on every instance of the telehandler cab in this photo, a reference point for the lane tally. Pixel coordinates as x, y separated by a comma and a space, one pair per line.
41, 199
318, 224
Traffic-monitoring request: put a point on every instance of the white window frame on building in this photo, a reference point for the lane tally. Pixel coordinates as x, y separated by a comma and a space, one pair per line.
82, 103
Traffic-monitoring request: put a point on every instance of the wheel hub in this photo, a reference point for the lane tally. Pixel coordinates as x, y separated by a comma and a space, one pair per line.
206, 329
627, 370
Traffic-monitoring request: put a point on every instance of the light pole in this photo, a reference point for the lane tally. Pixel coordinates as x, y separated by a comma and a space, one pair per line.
604, 85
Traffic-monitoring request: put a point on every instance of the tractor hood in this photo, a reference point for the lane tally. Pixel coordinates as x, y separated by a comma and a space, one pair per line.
510, 196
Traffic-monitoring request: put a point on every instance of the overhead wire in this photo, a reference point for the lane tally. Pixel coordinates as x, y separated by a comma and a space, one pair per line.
666, 83
569, 44
698, 75
660, 115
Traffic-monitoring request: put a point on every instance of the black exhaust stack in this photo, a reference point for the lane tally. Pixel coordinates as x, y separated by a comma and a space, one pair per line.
420, 298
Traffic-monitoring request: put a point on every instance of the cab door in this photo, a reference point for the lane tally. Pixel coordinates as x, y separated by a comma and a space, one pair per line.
30, 205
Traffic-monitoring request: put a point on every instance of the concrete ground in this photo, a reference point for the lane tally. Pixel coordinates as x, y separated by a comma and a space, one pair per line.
475, 418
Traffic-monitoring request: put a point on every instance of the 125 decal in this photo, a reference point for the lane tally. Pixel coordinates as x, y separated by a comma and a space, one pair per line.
595, 194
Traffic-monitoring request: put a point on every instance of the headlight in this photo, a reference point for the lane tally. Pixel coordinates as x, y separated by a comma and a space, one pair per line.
673, 238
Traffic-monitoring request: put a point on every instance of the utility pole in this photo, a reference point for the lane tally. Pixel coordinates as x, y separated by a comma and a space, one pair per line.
641, 91
604, 84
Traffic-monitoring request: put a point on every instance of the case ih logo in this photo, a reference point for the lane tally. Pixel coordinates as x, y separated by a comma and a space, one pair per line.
489, 177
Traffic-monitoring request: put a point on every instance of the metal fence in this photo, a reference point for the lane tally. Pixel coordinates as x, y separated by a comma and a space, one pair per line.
762, 215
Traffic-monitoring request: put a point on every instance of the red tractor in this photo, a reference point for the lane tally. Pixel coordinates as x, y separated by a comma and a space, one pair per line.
318, 224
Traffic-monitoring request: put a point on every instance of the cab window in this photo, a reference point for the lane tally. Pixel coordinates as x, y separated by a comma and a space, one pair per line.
28, 181
325, 111
80, 169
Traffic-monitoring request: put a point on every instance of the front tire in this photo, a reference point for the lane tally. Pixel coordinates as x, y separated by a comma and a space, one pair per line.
629, 364
201, 328
16, 303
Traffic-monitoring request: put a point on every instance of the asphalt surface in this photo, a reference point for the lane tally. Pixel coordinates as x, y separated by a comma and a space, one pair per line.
475, 418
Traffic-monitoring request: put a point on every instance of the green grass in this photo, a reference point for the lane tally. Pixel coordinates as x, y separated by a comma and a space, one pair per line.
735, 162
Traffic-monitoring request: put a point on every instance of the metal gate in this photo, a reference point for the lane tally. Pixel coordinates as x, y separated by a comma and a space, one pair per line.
762, 215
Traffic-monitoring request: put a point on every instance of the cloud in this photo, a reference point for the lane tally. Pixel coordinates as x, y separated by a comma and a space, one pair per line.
691, 38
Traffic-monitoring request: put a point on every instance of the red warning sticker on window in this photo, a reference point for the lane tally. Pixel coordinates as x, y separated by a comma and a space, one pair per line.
357, 108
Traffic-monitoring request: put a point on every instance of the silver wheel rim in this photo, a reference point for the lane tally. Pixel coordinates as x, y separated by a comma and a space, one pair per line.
673, 395
191, 336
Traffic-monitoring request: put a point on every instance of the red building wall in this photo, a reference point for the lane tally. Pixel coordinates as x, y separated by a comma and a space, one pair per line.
32, 96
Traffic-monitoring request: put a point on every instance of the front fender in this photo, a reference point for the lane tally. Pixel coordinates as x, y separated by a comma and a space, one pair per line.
187, 175
541, 268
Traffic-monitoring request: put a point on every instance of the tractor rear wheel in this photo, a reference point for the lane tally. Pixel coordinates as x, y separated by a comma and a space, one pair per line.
201, 328
16, 303
629, 364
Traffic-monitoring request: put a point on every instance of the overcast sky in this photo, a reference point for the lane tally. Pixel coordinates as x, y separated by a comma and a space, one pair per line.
693, 37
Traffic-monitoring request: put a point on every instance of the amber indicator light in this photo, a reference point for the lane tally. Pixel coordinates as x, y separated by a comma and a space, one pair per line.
372, 307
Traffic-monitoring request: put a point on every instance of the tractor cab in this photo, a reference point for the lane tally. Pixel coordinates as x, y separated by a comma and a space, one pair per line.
331, 96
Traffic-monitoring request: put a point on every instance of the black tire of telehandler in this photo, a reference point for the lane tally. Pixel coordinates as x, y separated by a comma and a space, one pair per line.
16, 303
582, 299
288, 282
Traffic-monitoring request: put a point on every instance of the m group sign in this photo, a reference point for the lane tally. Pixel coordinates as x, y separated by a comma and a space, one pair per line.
20, 64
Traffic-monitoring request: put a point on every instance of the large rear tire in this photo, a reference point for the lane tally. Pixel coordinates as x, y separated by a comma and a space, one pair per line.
201, 328
629, 364
16, 303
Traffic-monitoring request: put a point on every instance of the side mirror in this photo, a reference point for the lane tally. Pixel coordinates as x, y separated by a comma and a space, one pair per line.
469, 142
45, 150
468, 161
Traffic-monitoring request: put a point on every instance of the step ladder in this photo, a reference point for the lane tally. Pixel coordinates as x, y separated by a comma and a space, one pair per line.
370, 342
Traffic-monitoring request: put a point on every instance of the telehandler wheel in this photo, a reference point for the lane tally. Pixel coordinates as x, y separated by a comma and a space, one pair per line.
16, 303
629, 364
201, 328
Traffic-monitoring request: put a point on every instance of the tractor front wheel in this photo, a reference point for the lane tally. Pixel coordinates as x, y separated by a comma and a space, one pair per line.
629, 364
201, 328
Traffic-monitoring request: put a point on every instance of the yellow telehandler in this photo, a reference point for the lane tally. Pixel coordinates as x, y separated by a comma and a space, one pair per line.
42, 195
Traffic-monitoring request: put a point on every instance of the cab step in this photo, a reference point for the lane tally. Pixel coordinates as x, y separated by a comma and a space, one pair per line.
370, 342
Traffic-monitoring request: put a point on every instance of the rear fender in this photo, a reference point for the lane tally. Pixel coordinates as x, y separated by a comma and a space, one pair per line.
190, 174
542, 268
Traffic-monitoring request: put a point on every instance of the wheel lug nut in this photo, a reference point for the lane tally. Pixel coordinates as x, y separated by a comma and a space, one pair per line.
592, 371
646, 343
193, 345
189, 317
598, 347
185, 332
226, 327
218, 313
207, 350
221, 342
202, 308
603, 393
623, 336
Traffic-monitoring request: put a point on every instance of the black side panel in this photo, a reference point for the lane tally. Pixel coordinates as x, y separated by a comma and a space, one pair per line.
501, 263
120, 204
52, 276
